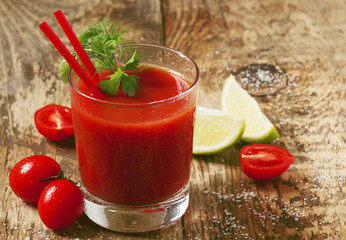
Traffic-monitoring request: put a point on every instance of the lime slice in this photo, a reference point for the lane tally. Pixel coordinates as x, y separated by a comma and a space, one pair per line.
215, 130
237, 102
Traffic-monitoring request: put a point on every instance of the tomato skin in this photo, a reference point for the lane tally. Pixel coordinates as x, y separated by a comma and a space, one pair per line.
264, 162
54, 122
25, 175
60, 204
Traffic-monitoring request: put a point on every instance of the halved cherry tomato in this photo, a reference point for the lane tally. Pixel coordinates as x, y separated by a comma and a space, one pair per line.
25, 176
263, 161
60, 204
54, 122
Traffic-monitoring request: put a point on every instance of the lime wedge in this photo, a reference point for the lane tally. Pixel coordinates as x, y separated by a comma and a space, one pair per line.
237, 102
215, 130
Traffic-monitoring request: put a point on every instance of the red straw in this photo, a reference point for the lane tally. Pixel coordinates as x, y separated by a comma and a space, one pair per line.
83, 56
69, 58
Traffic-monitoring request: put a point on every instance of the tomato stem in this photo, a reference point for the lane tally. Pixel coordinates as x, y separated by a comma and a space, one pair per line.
60, 175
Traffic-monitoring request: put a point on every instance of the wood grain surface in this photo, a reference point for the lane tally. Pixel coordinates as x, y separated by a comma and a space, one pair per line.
294, 50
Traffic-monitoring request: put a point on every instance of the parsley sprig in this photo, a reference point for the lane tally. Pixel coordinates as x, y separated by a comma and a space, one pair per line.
101, 41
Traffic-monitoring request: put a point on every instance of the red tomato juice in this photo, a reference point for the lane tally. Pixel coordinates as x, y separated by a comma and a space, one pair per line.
139, 154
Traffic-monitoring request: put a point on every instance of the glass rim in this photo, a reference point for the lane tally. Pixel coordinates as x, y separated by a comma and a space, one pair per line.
148, 104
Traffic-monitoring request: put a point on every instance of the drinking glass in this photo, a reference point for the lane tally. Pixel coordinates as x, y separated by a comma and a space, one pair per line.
134, 158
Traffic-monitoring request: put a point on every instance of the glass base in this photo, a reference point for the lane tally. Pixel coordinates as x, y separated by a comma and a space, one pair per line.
136, 218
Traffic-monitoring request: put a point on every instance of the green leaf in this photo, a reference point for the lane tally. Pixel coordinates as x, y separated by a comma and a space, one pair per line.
111, 85
85, 36
132, 64
111, 46
64, 67
129, 84
98, 45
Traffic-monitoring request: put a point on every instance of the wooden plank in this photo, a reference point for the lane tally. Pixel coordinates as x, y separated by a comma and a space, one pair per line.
306, 40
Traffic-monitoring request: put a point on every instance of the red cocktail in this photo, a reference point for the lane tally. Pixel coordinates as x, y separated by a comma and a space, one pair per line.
134, 153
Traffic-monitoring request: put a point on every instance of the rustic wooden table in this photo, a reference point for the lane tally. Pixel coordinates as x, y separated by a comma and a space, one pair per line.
296, 48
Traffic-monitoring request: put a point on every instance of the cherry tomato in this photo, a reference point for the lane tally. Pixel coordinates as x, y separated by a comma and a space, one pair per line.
24, 177
263, 161
54, 122
60, 204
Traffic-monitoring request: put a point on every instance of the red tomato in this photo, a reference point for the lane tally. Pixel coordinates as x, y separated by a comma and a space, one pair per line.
60, 204
24, 177
54, 122
263, 161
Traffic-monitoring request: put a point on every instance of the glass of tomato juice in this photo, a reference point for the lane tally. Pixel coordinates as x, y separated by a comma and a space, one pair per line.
134, 153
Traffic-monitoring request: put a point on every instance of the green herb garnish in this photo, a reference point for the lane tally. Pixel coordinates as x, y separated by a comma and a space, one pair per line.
101, 41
